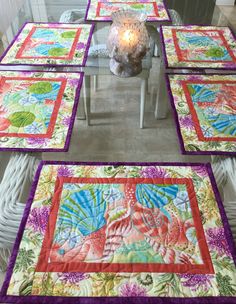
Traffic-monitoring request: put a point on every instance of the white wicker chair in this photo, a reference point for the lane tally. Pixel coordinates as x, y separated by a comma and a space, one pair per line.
18, 175
224, 169
70, 16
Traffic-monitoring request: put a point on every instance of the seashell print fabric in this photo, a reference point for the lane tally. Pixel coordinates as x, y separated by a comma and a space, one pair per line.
146, 232
195, 46
37, 109
205, 112
101, 10
50, 44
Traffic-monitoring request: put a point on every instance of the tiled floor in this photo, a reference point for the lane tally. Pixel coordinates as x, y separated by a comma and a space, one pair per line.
230, 13
114, 134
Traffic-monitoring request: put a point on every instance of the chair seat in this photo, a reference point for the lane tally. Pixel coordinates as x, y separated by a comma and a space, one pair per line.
175, 17
17, 177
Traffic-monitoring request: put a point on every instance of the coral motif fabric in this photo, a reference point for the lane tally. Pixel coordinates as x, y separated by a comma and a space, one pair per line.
147, 230
37, 109
101, 10
199, 47
50, 44
205, 112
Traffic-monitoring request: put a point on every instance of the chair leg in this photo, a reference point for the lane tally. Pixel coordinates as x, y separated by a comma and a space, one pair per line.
156, 51
81, 115
142, 101
87, 97
147, 87
95, 83
161, 102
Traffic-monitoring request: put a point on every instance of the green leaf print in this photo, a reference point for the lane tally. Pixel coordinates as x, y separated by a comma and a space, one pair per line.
69, 34
145, 279
104, 283
223, 263
137, 6
192, 147
24, 259
47, 285
21, 119
215, 52
168, 284
112, 171
42, 87
191, 89
224, 285
58, 51
25, 288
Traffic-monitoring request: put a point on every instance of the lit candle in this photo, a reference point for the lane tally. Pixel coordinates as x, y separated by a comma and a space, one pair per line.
129, 38
127, 43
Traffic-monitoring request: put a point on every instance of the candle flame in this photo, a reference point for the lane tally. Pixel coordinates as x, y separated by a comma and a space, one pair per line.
129, 38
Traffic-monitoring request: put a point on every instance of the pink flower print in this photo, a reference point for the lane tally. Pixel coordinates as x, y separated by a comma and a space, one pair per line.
64, 171
132, 290
37, 141
73, 277
154, 172
73, 82
186, 121
66, 121
196, 281
217, 241
201, 171
80, 46
38, 219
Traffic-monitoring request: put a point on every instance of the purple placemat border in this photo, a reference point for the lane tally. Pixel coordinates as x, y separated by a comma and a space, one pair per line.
192, 68
87, 11
73, 114
88, 44
168, 13
110, 20
45, 64
176, 118
74, 111
113, 300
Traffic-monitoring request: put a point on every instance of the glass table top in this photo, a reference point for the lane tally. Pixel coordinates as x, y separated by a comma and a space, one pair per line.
114, 133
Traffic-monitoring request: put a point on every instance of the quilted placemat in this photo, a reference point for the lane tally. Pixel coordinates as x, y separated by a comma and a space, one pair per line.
37, 109
205, 112
122, 233
49, 44
101, 10
195, 46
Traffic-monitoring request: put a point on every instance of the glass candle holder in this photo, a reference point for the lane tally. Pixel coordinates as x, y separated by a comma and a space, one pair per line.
127, 43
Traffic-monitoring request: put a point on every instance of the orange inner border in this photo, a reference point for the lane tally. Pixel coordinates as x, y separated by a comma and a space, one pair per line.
44, 266
55, 111
70, 56
221, 36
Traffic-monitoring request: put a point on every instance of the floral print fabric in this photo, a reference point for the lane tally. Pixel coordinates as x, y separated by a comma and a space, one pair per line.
123, 231
194, 46
101, 10
50, 44
37, 109
205, 112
